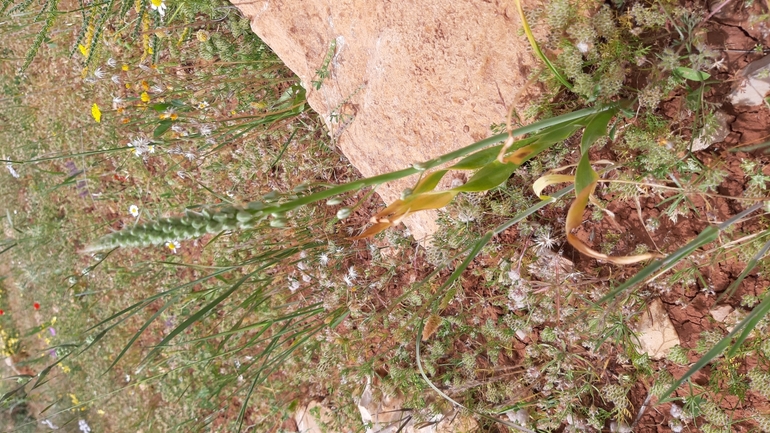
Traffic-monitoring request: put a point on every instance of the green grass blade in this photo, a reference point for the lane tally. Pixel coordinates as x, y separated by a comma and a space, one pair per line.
749, 267
749, 322
709, 234
141, 330
196, 317
536, 48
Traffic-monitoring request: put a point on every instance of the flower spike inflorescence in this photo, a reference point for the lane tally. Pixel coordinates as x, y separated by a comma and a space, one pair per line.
165, 231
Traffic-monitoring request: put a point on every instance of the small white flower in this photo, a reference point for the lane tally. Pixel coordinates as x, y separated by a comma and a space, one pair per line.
323, 259
133, 210
352, 273
203, 105
583, 47
112, 63
190, 155
156, 89
49, 424
719, 64
206, 130
115, 79
141, 145
172, 245
144, 67
117, 101
83, 426
676, 411
544, 240
10, 168
128, 378
99, 73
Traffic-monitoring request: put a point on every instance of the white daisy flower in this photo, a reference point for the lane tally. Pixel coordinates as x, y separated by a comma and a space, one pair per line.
112, 63
160, 6
133, 210
172, 245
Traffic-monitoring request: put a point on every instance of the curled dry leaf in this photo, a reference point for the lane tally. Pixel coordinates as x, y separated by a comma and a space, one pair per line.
431, 326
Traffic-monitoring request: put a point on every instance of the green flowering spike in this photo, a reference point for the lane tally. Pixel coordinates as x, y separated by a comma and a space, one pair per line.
243, 216
191, 225
214, 227
199, 223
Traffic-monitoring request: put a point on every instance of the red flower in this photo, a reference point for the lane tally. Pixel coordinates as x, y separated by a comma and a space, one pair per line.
2, 312
36, 305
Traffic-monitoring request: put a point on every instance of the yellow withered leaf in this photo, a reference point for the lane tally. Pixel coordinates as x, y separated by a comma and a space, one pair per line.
575, 218
399, 209
549, 179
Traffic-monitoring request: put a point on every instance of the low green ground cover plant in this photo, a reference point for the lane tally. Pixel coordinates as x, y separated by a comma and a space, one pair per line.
134, 229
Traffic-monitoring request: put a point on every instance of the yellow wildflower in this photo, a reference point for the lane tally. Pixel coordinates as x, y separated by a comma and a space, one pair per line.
145, 97
96, 113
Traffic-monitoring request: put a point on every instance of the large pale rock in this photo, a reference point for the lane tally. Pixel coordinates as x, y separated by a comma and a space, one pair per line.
408, 80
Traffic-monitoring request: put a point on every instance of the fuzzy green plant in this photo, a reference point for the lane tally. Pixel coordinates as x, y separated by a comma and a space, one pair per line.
194, 224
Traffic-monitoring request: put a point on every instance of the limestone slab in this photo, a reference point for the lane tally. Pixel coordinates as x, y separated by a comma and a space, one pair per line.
408, 80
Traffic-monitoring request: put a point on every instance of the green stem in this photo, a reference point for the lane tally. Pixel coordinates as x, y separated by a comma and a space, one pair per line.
417, 168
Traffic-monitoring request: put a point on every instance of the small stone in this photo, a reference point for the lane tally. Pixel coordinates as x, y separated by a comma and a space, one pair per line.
704, 141
656, 332
721, 312
520, 417
754, 86
308, 423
